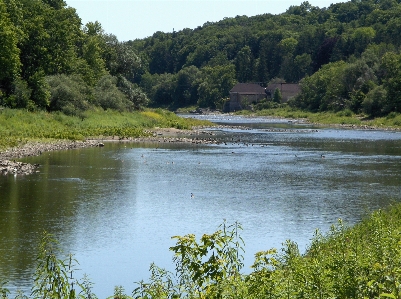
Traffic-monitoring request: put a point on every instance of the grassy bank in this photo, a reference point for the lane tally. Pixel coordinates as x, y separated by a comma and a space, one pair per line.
346, 117
18, 126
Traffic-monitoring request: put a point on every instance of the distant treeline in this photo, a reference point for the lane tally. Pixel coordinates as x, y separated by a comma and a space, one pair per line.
346, 56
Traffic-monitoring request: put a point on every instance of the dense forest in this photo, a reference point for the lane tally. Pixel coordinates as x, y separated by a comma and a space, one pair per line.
345, 57
48, 60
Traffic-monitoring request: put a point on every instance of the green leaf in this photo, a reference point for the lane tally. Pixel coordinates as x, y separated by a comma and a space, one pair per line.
387, 295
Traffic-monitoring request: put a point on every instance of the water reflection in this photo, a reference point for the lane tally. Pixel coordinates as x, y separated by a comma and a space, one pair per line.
117, 207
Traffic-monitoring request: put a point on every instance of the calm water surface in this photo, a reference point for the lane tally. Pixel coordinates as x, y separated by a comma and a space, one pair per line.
116, 207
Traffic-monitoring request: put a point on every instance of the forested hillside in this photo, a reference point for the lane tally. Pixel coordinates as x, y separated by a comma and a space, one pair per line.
48, 60
346, 56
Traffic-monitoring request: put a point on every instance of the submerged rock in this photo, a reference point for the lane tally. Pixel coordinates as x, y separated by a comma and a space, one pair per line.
10, 166
13, 167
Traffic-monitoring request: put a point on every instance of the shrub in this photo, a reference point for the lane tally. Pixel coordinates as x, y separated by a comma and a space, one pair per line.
374, 104
22, 94
108, 96
54, 277
345, 113
40, 90
69, 94
133, 93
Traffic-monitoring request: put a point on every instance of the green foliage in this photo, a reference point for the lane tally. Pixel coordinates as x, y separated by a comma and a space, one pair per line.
108, 96
264, 105
40, 90
213, 259
64, 32
132, 93
277, 96
21, 97
9, 59
69, 94
3, 290
375, 102
338, 86
19, 126
119, 293
216, 85
358, 262
53, 277
160, 88
293, 45
336, 52
168, 90
186, 92
91, 65
244, 64
42, 41
125, 61
208, 268
392, 81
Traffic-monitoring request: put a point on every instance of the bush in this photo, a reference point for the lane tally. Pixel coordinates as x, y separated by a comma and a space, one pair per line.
374, 104
266, 104
108, 96
69, 94
277, 97
358, 262
345, 113
133, 93
22, 94
40, 90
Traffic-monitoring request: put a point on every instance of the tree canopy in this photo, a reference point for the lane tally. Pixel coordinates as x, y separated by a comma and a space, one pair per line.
48, 60
345, 56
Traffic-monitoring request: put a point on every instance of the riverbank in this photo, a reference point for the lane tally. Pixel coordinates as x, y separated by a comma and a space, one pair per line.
344, 119
128, 186
183, 132
24, 133
8, 165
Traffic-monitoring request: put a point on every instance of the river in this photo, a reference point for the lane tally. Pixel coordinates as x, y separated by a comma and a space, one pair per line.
117, 207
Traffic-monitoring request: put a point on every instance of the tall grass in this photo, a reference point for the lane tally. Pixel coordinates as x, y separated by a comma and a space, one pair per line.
19, 126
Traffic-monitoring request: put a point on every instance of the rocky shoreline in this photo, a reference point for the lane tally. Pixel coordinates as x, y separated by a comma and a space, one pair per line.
8, 165
12, 167
198, 135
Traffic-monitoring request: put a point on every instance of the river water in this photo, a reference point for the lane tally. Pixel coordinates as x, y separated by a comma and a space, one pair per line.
115, 208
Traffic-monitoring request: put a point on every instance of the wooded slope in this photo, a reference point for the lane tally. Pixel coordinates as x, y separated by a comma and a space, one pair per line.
346, 56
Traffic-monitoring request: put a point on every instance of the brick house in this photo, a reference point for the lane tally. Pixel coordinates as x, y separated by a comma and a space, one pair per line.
243, 95
288, 90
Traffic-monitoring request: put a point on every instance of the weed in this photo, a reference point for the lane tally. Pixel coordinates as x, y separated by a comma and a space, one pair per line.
18, 126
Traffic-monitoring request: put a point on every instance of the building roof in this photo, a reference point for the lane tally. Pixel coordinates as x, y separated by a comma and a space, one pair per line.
284, 87
248, 88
